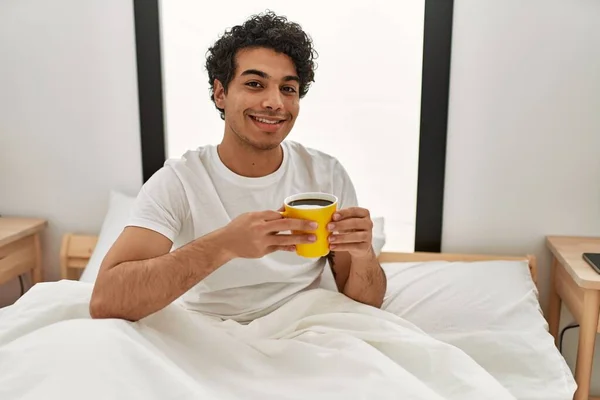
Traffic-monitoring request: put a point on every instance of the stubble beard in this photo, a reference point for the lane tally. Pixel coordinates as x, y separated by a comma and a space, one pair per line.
248, 143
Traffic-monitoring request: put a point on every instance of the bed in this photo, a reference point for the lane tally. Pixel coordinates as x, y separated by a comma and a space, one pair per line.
452, 326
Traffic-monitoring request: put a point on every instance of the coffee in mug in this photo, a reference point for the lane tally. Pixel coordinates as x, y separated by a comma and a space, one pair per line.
310, 203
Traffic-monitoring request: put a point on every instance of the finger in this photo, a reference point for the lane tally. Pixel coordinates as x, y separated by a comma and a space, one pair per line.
281, 209
290, 240
350, 247
355, 237
282, 248
292, 224
269, 215
350, 225
351, 212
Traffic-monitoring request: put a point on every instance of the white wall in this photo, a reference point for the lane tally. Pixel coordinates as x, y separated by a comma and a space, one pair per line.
523, 158
68, 115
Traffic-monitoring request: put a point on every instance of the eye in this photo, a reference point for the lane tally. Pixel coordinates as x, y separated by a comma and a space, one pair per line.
254, 84
289, 89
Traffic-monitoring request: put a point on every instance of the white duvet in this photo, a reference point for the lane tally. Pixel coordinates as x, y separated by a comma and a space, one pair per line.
321, 344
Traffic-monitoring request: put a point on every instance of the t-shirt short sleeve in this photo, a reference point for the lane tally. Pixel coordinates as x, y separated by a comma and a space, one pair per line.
161, 204
344, 187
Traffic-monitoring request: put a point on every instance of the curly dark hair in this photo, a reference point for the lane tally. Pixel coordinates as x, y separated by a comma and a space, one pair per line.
262, 30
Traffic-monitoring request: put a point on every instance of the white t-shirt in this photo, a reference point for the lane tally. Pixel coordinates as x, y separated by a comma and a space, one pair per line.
197, 194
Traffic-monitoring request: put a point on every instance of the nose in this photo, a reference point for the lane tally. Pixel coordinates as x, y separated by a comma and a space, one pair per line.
273, 99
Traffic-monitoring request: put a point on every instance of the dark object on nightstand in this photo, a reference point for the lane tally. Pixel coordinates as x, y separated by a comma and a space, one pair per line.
593, 259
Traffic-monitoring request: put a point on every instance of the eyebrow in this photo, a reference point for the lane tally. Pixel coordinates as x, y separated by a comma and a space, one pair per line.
264, 75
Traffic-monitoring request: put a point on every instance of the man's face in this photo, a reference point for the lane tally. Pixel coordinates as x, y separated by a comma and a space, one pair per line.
262, 100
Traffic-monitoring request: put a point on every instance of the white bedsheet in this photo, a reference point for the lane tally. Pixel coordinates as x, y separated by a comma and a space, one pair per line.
490, 310
320, 345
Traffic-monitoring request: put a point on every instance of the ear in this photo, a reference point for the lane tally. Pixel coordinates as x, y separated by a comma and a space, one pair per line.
219, 94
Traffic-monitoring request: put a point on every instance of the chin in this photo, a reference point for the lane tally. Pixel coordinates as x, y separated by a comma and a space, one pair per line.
264, 140
266, 145
261, 143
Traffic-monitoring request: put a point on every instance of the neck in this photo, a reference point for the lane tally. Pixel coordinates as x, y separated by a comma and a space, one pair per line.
245, 160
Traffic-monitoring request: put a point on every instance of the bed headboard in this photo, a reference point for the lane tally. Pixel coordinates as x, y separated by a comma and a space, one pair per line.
76, 251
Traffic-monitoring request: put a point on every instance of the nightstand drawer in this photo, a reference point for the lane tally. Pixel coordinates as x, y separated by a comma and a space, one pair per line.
17, 258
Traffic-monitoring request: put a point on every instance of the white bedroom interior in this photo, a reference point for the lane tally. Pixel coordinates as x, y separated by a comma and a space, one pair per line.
523, 125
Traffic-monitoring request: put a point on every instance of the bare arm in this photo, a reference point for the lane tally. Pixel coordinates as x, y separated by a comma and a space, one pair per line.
139, 276
354, 264
361, 279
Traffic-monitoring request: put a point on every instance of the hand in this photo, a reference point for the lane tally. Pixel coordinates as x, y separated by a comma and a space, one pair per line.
352, 231
256, 234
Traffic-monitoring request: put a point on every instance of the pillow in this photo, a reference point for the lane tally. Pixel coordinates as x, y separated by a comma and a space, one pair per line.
488, 309
378, 234
117, 216
449, 296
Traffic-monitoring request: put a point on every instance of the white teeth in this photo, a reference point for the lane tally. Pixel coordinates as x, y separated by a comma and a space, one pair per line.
266, 121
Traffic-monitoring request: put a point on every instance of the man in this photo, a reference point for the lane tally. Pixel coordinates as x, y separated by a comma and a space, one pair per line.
206, 228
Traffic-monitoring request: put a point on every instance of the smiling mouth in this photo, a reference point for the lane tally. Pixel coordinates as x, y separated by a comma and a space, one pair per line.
267, 125
267, 120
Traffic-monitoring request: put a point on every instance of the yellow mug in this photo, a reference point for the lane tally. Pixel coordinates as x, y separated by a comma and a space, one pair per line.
312, 206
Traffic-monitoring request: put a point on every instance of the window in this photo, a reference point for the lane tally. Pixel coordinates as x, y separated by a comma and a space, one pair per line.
364, 107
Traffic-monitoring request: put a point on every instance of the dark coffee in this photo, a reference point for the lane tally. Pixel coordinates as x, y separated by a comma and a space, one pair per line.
310, 202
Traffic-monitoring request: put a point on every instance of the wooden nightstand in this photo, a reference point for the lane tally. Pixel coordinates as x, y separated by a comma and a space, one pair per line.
576, 284
20, 250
